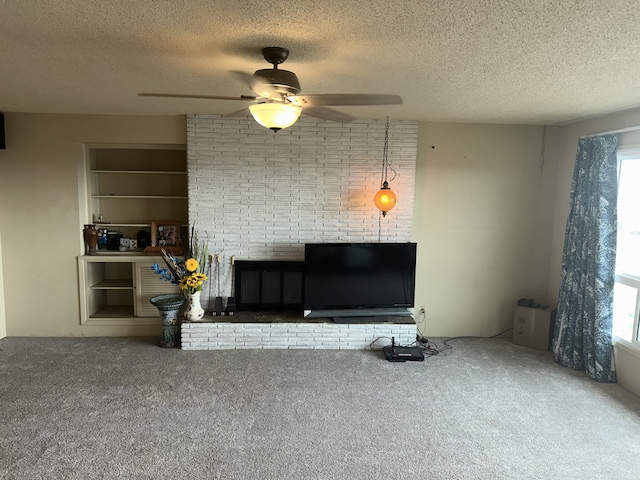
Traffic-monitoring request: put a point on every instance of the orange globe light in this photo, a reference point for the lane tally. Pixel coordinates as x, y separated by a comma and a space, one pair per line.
385, 199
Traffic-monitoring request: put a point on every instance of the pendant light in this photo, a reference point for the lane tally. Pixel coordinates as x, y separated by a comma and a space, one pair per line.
275, 116
385, 199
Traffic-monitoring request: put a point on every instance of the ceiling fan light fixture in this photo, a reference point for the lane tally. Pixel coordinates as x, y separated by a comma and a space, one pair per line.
275, 116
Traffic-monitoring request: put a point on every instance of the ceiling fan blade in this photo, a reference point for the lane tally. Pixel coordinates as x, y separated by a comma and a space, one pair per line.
259, 87
243, 98
245, 78
244, 111
328, 114
345, 99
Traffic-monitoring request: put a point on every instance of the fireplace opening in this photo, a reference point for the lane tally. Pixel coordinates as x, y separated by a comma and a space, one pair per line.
268, 285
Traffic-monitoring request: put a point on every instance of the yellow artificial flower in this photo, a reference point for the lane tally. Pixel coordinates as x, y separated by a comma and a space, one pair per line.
200, 276
191, 264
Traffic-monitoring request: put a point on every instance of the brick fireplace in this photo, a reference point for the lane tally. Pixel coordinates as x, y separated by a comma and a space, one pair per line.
261, 196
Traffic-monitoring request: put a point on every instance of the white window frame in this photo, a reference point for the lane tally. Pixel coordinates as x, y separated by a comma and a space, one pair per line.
629, 152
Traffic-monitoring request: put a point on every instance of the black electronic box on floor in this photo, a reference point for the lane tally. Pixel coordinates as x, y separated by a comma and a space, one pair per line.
395, 353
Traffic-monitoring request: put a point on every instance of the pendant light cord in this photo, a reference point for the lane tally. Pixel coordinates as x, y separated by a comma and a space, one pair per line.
384, 175
385, 158
385, 155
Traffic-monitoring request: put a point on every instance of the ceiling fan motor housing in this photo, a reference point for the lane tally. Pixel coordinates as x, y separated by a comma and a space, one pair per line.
284, 81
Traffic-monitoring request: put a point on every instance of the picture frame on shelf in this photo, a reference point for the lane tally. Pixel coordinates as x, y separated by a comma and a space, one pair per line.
165, 233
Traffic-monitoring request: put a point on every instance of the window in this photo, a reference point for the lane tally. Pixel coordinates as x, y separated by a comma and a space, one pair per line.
627, 287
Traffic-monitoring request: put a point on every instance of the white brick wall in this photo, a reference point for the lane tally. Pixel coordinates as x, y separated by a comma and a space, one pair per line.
330, 336
261, 195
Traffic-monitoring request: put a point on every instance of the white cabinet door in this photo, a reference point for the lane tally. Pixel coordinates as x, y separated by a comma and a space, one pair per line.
149, 284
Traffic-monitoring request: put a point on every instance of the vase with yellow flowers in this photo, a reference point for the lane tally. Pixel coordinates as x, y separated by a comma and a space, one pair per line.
188, 275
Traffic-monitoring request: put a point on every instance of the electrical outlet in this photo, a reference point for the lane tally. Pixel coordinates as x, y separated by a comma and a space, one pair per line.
422, 310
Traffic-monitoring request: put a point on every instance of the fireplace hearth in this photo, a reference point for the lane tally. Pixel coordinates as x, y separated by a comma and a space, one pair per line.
270, 315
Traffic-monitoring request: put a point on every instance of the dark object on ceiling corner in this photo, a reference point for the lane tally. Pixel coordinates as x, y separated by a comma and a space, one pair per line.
3, 138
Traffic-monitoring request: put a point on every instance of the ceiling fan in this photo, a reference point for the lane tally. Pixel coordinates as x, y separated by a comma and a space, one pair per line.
277, 103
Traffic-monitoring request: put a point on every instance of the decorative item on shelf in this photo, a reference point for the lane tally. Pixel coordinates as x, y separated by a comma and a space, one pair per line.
90, 235
124, 244
188, 274
385, 199
169, 306
113, 240
102, 239
165, 236
165, 233
144, 239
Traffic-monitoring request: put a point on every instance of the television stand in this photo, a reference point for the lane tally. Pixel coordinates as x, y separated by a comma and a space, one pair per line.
366, 319
370, 319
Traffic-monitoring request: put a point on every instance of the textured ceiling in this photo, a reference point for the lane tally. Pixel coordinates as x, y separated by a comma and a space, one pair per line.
490, 61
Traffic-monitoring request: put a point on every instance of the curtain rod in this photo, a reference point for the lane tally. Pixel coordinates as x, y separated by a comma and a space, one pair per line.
620, 130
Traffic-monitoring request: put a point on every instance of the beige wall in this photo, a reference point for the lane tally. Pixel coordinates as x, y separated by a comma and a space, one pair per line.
39, 216
3, 317
482, 221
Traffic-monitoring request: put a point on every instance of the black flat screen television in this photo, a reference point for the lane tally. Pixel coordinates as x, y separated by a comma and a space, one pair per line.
366, 281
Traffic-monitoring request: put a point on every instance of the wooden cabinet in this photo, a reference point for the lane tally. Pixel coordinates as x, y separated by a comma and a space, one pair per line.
127, 187
116, 290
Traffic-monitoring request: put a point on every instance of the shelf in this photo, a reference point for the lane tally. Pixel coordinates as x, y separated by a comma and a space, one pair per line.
117, 253
109, 225
113, 284
115, 256
161, 197
114, 311
140, 172
133, 225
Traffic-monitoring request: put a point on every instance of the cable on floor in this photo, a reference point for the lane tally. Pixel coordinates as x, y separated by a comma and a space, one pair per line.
430, 348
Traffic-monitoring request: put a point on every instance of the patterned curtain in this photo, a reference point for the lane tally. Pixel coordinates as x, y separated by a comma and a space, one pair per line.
582, 335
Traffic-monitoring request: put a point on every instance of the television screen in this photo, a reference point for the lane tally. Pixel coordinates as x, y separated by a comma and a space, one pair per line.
358, 279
